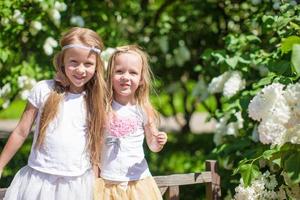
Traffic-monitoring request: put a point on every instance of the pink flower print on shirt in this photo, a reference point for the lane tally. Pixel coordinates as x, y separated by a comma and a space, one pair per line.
119, 127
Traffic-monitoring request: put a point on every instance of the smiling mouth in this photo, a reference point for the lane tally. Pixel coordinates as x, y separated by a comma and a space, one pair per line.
79, 78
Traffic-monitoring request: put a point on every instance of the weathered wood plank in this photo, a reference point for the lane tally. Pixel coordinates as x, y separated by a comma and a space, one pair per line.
183, 179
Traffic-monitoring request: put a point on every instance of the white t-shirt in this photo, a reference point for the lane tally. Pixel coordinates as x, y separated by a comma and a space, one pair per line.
64, 149
123, 156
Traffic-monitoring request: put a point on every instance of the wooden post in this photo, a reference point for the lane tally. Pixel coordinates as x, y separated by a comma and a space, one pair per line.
173, 193
213, 189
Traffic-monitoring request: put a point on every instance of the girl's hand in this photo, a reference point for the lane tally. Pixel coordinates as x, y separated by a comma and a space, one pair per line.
161, 138
155, 139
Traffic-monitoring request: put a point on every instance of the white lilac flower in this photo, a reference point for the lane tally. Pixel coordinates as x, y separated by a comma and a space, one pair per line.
276, 5
292, 93
293, 3
35, 27
258, 108
25, 36
77, 20
6, 89
234, 84
221, 128
269, 180
243, 193
26, 82
24, 94
18, 17
54, 16
224, 128
251, 192
271, 132
293, 134
60, 6
4, 21
106, 54
49, 44
270, 103
217, 84
6, 104
293, 121
296, 109
261, 188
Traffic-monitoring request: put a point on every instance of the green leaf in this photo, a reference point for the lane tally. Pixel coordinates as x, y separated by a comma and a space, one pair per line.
264, 81
287, 43
249, 172
296, 58
277, 161
232, 62
279, 67
291, 167
269, 153
295, 26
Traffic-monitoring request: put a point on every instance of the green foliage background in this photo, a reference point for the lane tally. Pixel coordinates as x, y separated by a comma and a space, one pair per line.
189, 42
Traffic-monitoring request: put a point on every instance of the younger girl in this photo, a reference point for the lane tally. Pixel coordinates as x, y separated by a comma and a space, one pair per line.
69, 118
124, 170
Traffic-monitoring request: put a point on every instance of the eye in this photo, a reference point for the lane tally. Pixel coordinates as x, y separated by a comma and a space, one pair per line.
118, 71
73, 62
88, 64
134, 72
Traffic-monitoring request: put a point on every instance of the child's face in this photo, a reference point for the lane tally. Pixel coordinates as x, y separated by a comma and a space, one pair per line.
80, 65
126, 77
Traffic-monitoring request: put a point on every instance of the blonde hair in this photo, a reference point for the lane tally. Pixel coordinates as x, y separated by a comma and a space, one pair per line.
143, 91
95, 90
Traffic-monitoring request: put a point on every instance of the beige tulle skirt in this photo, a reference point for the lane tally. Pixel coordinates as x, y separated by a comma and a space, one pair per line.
144, 189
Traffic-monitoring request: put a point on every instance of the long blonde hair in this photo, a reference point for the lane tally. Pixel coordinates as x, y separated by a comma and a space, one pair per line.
95, 90
143, 91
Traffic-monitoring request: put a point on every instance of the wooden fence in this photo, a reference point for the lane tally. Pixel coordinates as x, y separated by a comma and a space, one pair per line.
169, 185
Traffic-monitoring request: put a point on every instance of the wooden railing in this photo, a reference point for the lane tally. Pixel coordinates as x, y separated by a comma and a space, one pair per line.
169, 185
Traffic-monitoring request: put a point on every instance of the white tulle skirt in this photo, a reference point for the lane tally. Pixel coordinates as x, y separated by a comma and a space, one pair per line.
30, 184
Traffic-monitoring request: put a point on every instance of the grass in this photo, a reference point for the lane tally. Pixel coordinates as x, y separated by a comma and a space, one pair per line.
14, 111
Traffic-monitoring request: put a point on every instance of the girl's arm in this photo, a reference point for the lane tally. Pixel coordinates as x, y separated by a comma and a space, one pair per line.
19, 134
154, 138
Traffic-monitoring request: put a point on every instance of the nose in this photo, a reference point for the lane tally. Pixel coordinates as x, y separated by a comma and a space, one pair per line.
124, 77
80, 69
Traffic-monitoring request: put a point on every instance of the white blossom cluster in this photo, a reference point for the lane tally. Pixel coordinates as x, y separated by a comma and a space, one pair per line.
278, 111
49, 45
4, 93
260, 189
276, 3
224, 127
266, 187
25, 83
106, 54
53, 9
229, 83
77, 20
